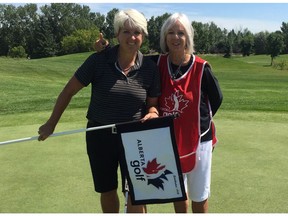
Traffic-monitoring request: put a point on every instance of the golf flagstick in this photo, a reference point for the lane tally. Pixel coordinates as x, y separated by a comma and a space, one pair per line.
58, 134
126, 196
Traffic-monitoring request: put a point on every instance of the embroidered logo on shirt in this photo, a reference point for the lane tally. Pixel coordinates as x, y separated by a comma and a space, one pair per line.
174, 104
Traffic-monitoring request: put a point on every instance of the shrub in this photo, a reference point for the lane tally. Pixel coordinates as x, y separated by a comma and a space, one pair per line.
281, 65
80, 41
17, 52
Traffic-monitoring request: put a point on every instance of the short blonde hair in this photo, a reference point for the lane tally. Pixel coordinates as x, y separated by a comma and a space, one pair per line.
135, 20
183, 19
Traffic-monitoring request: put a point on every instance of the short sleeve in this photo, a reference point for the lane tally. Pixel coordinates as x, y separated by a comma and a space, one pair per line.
86, 72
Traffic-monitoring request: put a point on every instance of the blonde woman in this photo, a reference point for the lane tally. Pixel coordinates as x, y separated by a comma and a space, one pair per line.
124, 87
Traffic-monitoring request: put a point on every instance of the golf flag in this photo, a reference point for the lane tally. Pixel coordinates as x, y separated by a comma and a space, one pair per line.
150, 161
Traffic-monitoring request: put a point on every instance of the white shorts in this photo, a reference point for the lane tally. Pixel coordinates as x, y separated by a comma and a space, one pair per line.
198, 181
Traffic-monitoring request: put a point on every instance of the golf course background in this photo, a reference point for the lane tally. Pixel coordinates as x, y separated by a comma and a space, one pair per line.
249, 171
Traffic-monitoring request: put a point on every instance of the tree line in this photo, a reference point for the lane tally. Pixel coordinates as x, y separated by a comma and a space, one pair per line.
65, 28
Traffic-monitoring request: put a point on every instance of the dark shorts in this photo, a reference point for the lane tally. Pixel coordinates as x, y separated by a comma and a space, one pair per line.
104, 154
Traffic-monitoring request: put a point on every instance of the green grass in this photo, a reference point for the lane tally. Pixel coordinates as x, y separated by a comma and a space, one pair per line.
251, 82
249, 172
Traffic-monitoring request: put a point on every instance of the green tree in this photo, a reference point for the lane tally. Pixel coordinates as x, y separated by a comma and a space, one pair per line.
8, 20
65, 18
17, 26
201, 37
247, 43
237, 41
225, 44
215, 36
154, 29
4, 48
284, 29
99, 21
230, 43
44, 44
28, 18
275, 44
81, 40
17, 52
260, 43
109, 26
145, 49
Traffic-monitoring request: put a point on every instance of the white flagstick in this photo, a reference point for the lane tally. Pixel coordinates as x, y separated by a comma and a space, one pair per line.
126, 196
58, 134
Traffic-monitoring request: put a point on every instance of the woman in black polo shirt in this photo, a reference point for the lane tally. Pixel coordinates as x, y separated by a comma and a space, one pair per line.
125, 86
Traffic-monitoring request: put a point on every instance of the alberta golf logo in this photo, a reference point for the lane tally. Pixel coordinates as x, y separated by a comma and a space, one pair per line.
156, 174
174, 104
151, 172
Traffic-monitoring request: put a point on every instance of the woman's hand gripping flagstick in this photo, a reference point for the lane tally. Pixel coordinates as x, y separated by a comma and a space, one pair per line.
58, 134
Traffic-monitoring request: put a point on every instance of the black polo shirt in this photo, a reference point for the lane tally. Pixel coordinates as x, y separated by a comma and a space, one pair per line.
115, 97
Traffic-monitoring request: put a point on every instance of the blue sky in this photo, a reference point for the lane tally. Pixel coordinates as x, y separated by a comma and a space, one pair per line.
254, 16
257, 16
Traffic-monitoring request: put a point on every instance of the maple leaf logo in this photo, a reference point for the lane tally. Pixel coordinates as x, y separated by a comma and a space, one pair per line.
152, 170
153, 167
176, 103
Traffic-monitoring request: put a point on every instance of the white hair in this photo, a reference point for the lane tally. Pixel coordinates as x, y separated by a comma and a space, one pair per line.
135, 20
183, 19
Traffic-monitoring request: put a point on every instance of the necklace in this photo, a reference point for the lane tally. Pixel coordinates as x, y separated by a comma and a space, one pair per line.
126, 70
175, 73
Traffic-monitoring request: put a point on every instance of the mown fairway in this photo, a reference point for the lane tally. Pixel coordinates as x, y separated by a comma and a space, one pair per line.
249, 173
